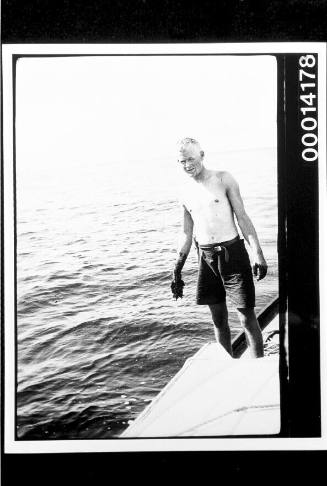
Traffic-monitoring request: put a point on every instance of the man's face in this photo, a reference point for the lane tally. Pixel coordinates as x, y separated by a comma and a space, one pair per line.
191, 159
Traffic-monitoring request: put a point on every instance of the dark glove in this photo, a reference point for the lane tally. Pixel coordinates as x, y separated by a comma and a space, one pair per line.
177, 286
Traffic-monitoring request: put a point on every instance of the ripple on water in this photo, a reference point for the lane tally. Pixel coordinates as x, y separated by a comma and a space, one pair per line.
99, 334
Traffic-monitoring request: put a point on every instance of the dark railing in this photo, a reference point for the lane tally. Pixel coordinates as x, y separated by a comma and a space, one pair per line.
264, 317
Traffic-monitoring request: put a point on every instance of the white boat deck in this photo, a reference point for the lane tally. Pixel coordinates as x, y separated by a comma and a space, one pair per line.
215, 395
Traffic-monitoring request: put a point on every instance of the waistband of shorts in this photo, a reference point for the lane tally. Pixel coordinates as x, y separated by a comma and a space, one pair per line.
227, 243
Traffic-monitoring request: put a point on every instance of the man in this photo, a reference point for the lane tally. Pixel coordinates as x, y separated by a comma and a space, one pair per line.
209, 206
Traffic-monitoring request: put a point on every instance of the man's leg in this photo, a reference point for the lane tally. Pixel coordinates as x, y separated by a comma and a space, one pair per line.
252, 331
220, 319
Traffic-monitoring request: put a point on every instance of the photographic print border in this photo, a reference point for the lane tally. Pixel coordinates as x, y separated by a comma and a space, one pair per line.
295, 433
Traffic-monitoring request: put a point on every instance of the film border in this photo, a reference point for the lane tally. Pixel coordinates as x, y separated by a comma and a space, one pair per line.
302, 319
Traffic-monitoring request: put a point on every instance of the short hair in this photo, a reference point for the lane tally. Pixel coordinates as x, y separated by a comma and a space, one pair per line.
184, 142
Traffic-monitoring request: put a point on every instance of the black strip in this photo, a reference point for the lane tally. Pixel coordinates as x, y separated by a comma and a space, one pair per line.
143, 21
302, 267
96, 469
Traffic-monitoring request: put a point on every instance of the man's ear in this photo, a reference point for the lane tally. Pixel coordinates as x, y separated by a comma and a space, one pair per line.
202, 153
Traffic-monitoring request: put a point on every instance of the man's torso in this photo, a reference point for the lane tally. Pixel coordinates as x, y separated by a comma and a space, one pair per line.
210, 209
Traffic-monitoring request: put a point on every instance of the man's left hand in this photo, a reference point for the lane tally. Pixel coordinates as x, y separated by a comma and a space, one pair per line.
259, 267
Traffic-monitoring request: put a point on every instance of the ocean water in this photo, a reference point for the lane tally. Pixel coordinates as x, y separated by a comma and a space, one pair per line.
99, 334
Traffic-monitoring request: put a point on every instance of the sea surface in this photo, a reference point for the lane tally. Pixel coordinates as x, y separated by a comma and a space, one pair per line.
99, 334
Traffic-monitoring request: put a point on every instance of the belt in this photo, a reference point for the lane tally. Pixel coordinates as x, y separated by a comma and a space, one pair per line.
219, 249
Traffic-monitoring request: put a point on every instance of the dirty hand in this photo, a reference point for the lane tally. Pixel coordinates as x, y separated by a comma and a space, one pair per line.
177, 286
259, 267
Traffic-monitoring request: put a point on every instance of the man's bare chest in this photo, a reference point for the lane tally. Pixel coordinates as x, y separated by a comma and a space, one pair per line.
206, 198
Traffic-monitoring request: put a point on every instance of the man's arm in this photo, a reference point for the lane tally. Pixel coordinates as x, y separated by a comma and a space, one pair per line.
185, 240
185, 243
246, 225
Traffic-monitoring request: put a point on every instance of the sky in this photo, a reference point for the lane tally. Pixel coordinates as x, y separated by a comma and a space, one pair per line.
93, 110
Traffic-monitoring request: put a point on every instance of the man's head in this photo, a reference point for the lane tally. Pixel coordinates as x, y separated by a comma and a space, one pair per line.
190, 156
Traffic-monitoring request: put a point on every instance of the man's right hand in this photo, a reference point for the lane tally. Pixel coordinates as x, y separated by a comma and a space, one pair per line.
177, 286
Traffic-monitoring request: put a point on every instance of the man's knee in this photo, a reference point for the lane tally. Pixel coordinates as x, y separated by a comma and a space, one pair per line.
247, 317
246, 312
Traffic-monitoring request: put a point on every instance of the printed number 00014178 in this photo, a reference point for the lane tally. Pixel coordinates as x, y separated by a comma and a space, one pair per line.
308, 87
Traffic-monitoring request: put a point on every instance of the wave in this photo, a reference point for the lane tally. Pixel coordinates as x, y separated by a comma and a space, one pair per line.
98, 331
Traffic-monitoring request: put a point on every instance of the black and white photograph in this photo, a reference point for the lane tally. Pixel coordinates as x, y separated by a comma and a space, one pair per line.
149, 213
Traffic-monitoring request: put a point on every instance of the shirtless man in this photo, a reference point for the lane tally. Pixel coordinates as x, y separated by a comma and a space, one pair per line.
209, 206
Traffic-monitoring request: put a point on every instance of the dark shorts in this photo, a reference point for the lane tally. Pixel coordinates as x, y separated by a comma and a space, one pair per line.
232, 278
